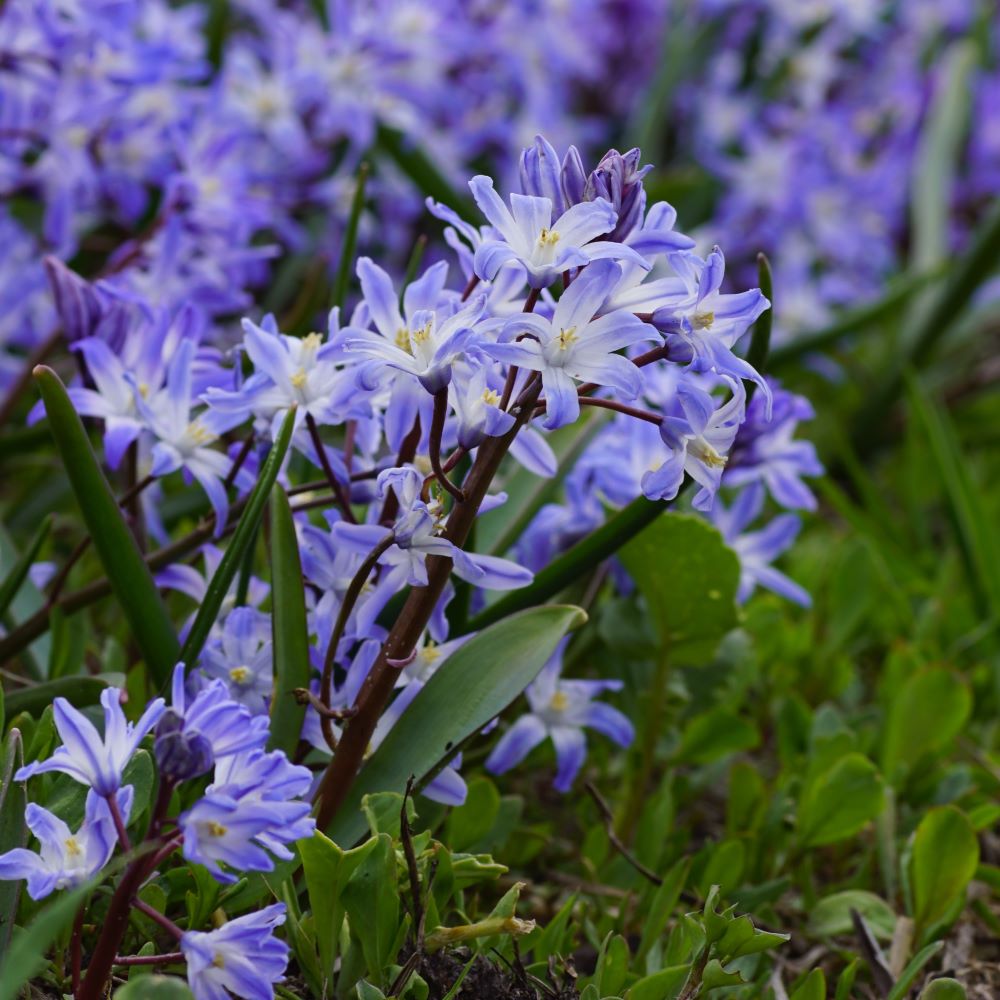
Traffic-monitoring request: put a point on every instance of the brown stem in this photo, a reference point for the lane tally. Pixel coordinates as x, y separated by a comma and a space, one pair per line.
470, 287
611, 404
410, 624
335, 484
351, 596
407, 450
434, 444
170, 958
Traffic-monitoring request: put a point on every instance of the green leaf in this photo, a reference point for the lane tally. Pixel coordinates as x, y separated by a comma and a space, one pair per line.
912, 970
13, 832
27, 603
575, 563
246, 532
663, 985
154, 987
846, 981
715, 976
350, 239
943, 989
688, 577
839, 802
490, 670
813, 988
714, 734
742, 938
290, 632
27, 955
662, 906
130, 577
371, 898
760, 339
472, 821
974, 528
612, 967
831, 916
79, 691
19, 571
938, 154
925, 715
366, 991
945, 855
326, 869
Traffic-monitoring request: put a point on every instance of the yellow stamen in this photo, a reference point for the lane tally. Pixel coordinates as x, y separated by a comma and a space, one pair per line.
239, 674
216, 829
491, 397
298, 380
72, 847
430, 653
199, 434
312, 341
403, 340
704, 451
703, 321
559, 702
218, 960
567, 338
548, 237
422, 334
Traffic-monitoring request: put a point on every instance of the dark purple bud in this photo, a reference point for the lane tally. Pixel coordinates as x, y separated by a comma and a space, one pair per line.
573, 177
85, 310
180, 756
618, 178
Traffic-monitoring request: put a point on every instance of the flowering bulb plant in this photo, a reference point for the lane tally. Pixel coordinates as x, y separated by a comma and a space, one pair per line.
379, 443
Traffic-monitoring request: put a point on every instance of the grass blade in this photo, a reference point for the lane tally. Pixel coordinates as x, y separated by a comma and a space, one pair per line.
243, 537
131, 580
289, 629
13, 580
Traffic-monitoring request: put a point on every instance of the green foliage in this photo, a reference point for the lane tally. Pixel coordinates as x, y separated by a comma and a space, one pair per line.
130, 577
945, 855
838, 803
13, 832
154, 987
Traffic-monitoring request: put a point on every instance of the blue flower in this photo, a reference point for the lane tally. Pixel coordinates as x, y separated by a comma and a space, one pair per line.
242, 957
574, 345
88, 757
756, 550
560, 711
66, 859
528, 235
196, 732
242, 658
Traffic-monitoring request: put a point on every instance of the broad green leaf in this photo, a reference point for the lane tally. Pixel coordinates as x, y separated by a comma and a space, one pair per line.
838, 803
366, 991
909, 975
490, 671
926, 714
743, 938
688, 577
154, 987
130, 578
943, 989
13, 832
945, 855
327, 868
715, 976
243, 537
663, 985
79, 691
575, 563
472, 821
27, 955
724, 866
714, 734
290, 632
832, 914
662, 906
19, 571
612, 967
371, 898
813, 987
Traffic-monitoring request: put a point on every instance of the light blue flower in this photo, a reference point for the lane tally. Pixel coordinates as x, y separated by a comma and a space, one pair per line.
527, 234
561, 710
242, 957
86, 756
66, 859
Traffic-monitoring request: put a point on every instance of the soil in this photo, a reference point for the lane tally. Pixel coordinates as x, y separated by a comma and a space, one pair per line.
487, 980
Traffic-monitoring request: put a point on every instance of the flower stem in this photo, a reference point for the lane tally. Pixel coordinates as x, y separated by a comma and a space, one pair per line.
338, 489
434, 444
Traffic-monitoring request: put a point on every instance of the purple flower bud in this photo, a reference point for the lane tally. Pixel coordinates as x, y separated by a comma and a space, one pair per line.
181, 755
618, 179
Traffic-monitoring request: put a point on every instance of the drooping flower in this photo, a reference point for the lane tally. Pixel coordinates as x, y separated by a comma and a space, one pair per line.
87, 756
561, 710
66, 859
242, 957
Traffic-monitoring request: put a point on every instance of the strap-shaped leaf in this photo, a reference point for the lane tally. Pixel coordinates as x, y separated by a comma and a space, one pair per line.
19, 571
131, 580
289, 630
13, 832
473, 685
246, 532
